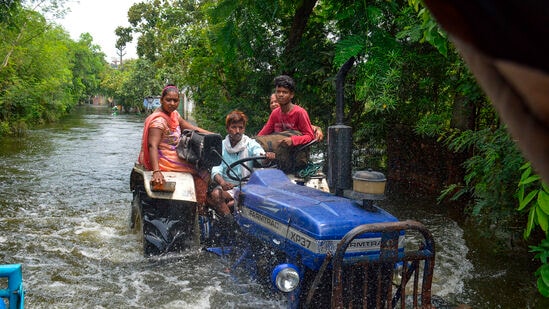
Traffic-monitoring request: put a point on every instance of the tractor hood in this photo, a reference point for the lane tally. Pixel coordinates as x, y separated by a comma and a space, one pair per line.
303, 221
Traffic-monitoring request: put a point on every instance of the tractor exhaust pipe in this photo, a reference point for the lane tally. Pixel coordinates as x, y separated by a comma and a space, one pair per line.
340, 139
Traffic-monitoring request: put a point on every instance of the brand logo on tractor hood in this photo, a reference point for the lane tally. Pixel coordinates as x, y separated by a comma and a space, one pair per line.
269, 208
309, 243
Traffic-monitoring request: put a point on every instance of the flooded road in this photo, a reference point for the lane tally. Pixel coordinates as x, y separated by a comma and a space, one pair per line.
64, 215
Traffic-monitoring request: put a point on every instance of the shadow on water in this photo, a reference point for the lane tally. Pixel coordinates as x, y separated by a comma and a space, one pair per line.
64, 207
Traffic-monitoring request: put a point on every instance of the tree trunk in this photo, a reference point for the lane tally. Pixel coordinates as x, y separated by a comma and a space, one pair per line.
8, 55
463, 114
301, 18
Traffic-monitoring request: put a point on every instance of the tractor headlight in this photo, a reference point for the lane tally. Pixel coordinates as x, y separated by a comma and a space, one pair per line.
285, 277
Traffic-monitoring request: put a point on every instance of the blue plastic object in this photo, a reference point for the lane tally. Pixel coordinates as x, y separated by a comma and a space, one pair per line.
14, 293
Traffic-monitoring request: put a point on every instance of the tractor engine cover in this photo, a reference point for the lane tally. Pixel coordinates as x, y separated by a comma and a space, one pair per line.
305, 222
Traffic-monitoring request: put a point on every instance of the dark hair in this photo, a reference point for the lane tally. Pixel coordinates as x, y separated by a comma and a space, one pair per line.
169, 88
235, 116
284, 81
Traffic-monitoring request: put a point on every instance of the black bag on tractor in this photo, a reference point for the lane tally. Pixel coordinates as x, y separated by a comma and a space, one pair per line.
201, 149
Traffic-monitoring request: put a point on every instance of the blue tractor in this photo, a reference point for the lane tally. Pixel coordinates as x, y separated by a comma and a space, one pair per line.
333, 249
315, 247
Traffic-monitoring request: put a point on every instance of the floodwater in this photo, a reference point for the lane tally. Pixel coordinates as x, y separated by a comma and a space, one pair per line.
64, 215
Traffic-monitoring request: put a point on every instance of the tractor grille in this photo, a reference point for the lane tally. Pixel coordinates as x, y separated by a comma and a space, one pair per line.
390, 279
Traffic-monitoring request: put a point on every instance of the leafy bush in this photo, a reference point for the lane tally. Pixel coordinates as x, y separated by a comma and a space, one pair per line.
491, 174
533, 196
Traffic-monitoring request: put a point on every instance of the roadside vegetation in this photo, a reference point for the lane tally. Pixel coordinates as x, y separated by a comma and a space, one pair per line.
406, 76
43, 72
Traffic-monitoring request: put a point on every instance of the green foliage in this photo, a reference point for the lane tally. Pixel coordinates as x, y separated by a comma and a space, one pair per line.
5, 128
88, 67
398, 80
7, 10
43, 72
124, 35
234, 60
139, 82
225, 53
348, 47
432, 125
533, 196
428, 30
543, 277
36, 74
542, 273
491, 173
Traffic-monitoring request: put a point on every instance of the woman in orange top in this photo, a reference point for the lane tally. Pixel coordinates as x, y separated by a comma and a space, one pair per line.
160, 137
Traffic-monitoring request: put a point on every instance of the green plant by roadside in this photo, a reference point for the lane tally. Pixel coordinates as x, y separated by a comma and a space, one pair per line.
533, 196
542, 273
491, 175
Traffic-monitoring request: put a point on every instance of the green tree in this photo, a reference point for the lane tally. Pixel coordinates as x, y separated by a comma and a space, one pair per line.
491, 176
144, 18
131, 84
44, 73
7, 11
34, 84
124, 35
468, 123
88, 68
17, 20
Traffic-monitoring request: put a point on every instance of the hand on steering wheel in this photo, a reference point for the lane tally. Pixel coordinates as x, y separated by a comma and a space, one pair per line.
232, 174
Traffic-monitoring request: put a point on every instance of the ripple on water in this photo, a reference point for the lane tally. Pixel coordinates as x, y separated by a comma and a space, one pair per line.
452, 267
64, 203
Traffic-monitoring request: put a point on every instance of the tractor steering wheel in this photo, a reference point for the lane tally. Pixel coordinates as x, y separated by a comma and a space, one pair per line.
232, 175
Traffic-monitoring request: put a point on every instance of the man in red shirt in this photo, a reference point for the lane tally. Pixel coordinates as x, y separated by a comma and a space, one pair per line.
319, 135
288, 116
